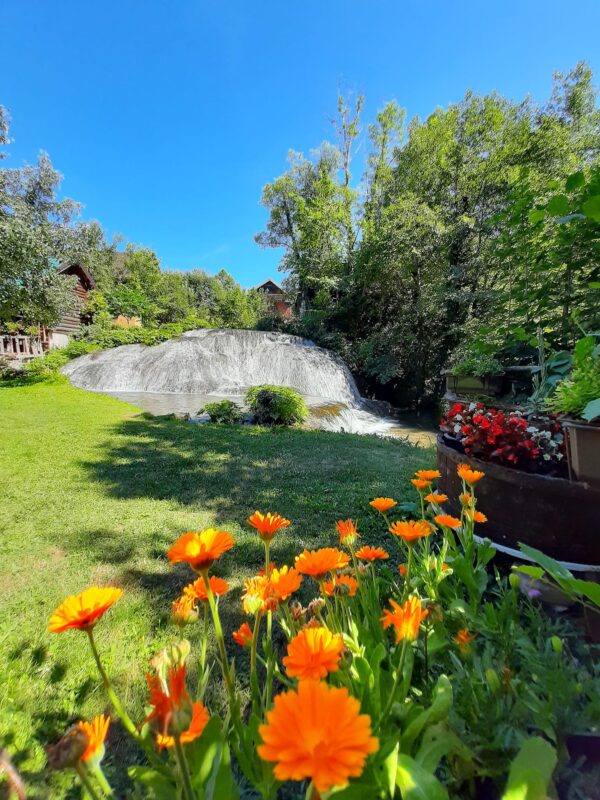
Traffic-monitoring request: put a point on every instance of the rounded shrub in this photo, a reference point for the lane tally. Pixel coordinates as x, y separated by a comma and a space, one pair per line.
276, 405
224, 412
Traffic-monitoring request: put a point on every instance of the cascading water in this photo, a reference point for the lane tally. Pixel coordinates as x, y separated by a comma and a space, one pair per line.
182, 374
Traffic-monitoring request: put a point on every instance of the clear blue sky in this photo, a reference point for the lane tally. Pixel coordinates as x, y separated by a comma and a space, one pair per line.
167, 117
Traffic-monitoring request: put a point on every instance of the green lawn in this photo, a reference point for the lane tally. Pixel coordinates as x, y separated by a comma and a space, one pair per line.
94, 493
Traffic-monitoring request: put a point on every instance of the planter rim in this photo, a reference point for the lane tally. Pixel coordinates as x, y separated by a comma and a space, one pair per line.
580, 423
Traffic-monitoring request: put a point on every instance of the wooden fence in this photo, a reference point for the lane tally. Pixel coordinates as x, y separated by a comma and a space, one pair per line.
21, 346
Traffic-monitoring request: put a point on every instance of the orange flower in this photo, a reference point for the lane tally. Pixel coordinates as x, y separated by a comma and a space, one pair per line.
200, 550
420, 484
383, 504
405, 619
465, 498
197, 589
318, 733
411, 531
319, 562
95, 732
402, 570
463, 639
341, 581
284, 582
313, 653
183, 610
428, 474
469, 475
368, 553
243, 635
198, 722
258, 595
83, 610
476, 516
447, 521
267, 524
347, 531
445, 567
438, 499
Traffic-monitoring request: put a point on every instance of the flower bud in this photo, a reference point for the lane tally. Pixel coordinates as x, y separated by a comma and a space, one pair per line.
297, 611
557, 644
493, 681
515, 580
315, 606
68, 750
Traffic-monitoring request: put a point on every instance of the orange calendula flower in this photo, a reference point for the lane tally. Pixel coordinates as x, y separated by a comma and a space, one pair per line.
200, 550
318, 563
284, 582
197, 589
447, 521
476, 516
313, 653
95, 732
402, 570
183, 610
411, 531
341, 584
469, 475
436, 498
383, 504
267, 524
368, 553
428, 474
82, 611
420, 484
317, 733
405, 619
258, 595
445, 567
463, 639
347, 531
243, 635
197, 724
172, 710
465, 498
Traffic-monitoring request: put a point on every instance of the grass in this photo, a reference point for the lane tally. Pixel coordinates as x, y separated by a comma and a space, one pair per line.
93, 492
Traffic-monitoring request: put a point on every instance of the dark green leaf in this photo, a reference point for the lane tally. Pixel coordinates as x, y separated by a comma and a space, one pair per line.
591, 208
558, 205
416, 783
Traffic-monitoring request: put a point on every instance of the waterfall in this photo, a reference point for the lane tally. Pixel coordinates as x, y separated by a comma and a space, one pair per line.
224, 362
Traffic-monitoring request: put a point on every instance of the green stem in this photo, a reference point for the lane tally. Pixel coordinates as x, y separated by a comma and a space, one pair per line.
106, 788
204, 639
186, 780
408, 573
399, 672
85, 781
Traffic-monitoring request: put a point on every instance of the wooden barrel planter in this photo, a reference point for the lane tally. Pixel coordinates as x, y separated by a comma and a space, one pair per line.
559, 517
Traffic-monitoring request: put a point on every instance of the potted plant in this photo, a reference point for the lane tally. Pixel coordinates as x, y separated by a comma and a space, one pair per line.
475, 374
578, 398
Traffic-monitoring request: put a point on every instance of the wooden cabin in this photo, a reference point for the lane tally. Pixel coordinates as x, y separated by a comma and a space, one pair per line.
20, 346
275, 297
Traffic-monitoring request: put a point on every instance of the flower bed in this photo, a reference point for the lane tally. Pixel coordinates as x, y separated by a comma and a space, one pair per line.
398, 673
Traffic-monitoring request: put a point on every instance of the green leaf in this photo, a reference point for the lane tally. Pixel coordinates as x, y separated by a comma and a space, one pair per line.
416, 783
437, 743
588, 589
558, 205
594, 284
537, 215
534, 572
390, 768
437, 711
574, 181
592, 410
591, 208
552, 567
531, 771
157, 786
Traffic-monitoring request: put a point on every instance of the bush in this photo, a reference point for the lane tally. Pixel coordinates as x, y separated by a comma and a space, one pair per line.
115, 337
478, 365
582, 388
50, 364
276, 405
224, 412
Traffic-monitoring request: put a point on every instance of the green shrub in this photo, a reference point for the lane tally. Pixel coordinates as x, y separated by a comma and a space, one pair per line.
224, 412
115, 337
573, 394
276, 405
50, 364
478, 365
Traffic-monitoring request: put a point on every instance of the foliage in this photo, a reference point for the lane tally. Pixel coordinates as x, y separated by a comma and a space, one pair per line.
49, 364
553, 574
510, 438
224, 412
427, 691
578, 395
276, 405
479, 365
114, 337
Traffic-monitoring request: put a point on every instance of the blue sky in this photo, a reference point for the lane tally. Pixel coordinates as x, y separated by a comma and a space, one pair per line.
167, 118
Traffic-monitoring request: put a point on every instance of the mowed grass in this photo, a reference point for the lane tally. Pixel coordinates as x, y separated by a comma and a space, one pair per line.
94, 492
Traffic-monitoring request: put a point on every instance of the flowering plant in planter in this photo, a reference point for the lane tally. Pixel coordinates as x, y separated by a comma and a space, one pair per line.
349, 658
510, 438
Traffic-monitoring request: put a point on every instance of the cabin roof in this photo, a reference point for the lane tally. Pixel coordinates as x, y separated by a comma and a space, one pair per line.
74, 268
269, 282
